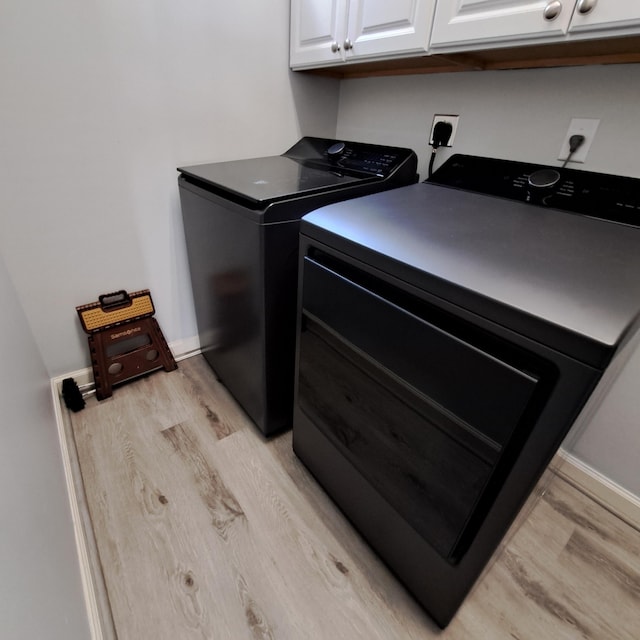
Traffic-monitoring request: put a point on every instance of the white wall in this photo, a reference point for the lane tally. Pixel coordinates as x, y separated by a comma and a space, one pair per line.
100, 103
608, 438
523, 115
40, 588
518, 115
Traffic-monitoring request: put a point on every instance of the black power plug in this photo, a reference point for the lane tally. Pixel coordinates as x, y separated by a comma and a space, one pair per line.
441, 134
575, 142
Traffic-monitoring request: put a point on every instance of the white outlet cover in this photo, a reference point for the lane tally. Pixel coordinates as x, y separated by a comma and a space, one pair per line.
586, 127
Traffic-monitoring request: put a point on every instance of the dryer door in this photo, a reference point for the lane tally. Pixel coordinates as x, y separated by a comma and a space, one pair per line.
423, 414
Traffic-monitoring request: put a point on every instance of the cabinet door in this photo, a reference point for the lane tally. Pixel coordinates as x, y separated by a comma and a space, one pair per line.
317, 32
476, 24
616, 17
381, 28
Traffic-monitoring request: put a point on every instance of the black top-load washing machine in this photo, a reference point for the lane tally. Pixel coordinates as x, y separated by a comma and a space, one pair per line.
241, 221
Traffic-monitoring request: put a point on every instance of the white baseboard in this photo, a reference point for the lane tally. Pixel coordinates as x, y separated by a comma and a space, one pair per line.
185, 348
69, 460
598, 487
99, 619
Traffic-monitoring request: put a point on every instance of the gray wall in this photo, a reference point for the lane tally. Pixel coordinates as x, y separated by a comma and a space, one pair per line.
524, 115
101, 101
519, 115
40, 589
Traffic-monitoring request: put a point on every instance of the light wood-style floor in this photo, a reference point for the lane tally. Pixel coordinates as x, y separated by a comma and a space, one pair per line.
205, 530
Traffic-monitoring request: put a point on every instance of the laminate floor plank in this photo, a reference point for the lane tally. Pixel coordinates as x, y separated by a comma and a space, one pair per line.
293, 551
207, 530
153, 543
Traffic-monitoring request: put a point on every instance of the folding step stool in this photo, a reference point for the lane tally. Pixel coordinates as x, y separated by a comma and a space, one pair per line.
125, 341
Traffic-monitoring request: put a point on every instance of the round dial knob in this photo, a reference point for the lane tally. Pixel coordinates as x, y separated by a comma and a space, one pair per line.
544, 178
335, 149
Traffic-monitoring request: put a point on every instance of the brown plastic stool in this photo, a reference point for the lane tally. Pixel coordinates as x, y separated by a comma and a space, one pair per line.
124, 340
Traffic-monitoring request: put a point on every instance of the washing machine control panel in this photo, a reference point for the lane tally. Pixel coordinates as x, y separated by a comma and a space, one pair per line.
379, 161
355, 158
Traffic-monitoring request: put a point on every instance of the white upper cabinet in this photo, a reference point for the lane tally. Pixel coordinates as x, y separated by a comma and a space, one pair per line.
476, 24
607, 17
325, 32
334, 32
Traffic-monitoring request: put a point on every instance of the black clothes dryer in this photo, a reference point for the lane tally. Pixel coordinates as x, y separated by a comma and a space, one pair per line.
241, 221
449, 334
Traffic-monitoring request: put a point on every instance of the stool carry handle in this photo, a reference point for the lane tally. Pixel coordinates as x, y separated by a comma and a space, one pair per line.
115, 300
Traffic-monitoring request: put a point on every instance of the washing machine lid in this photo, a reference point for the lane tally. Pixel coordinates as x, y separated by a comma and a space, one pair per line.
310, 167
258, 182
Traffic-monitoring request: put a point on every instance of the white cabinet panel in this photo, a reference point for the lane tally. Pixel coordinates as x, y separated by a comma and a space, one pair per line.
616, 17
317, 31
378, 27
476, 24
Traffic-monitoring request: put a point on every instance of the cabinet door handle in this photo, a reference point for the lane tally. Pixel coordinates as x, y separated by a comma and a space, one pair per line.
552, 10
335, 47
348, 44
585, 6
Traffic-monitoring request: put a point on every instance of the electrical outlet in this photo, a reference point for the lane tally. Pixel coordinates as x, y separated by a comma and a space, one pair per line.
586, 127
452, 120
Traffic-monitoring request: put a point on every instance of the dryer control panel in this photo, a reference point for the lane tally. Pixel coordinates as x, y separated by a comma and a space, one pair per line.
598, 195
